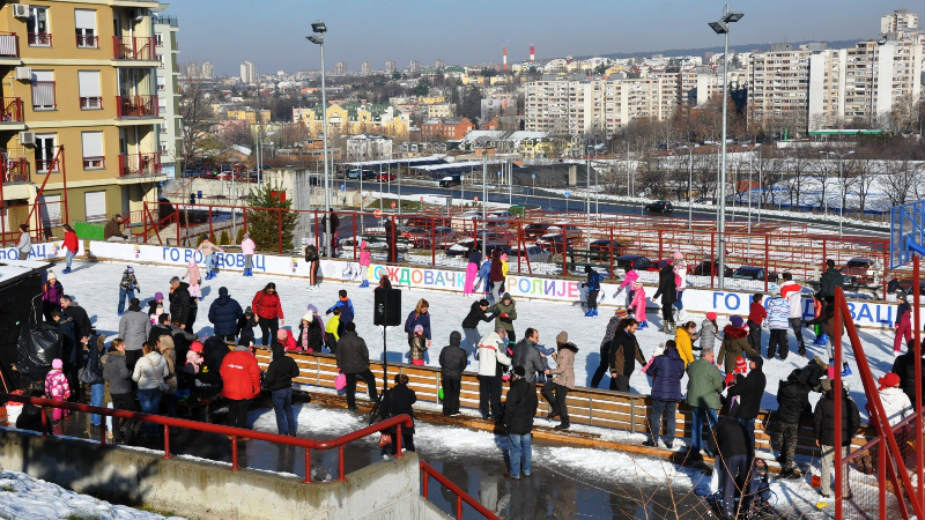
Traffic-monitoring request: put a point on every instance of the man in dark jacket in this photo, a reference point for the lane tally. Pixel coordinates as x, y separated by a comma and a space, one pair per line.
792, 403
478, 311
623, 355
278, 381
117, 374
527, 355
830, 279
82, 326
824, 427
519, 410
396, 401
353, 361
453, 361
224, 314
750, 390
214, 351
161, 328
735, 455
666, 372
612, 327
904, 367
668, 291
593, 284
181, 304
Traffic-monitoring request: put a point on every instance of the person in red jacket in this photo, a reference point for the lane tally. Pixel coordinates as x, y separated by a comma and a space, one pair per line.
70, 246
756, 316
269, 312
240, 383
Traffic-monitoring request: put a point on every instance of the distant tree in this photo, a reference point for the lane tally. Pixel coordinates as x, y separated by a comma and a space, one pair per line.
422, 88
236, 133
470, 104
197, 116
268, 215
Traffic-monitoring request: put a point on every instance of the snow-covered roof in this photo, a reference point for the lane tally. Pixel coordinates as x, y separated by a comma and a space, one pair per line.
12, 270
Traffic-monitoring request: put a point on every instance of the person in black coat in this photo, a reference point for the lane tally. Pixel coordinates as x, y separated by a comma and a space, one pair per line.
750, 390
224, 314
278, 381
824, 428
314, 338
396, 401
478, 311
667, 289
736, 452
162, 328
519, 411
83, 328
904, 367
453, 361
181, 303
246, 324
353, 360
792, 404
213, 352
30, 417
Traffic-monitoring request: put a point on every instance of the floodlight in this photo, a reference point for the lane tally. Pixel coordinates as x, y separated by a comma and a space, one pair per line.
733, 17
319, 27
317, 40
718, 27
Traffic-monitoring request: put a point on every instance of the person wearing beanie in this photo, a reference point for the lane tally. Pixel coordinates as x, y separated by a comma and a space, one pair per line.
224, 314
563, 380
750, 390
666, 372
638, 305
792, 405
496, 275
492, 357
285, 341
353, 360
128, 284
245, 328
278, 381
183, 306
519, 411
896, 405
478, 311
194, 358
734, 345
418, 345
311, 334
156, 306
453, 360
52, 291
593, 284
778, 322
247, 249
57, 387
505, 312
708, 331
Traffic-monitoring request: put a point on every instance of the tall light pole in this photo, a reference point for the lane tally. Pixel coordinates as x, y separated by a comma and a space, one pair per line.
319, 28
722, 27
484, 201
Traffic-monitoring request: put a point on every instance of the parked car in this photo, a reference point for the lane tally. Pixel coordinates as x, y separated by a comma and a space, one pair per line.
535, 230
752, 272
709, 268
660, 206
638, 262
859, 272
553, 242
600, 249
357, 173
450, 180
570, 230
385, 177
442, 236
535, 253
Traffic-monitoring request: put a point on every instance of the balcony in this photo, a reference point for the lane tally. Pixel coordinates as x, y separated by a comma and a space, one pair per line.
140, 165
10, 110
13, 170
9, 45
136, 106
40, 39
138, 48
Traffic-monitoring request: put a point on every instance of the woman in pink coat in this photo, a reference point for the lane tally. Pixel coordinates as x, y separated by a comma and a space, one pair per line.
247, 249
639, 305
364, 260
472, 271
629, 283
192, 274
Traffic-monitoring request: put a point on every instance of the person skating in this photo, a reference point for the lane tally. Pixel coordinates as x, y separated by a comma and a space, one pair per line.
612, 325
505, 312
756, 316
629, 285
128, 284
364, 259
563, 380
793, 293
396, 401
353, 360
478, 311
623, 355
278, 381
71, 246
732, 464
824, 428
734, 345
519, 411
209, 251
528, 356
667, 291
248, 247
708, 331
134, 329
269, 311
472, 271
778, 322
313, 259
792, 406
240, 383
483, 283
496, 276
453, 361
593, 284
492, 356
704, 384
345, 306
420, 316
903, 324
666, 372
224, 314
638, 305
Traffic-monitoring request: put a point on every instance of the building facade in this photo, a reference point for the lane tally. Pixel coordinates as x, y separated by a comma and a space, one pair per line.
170, 134
366, 147
80, 115
248, 73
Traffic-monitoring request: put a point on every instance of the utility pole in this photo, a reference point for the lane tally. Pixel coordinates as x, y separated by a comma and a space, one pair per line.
484, 202
690, 184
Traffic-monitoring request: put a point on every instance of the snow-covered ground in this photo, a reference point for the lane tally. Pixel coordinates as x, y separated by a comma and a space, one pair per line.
25, 498
95, 286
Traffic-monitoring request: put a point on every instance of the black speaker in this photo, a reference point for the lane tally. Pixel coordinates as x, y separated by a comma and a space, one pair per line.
387, 307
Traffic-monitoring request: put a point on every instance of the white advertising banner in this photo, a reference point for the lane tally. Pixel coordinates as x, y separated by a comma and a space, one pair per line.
43, 251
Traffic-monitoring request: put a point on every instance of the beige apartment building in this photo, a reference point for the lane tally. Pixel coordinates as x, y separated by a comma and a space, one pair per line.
79, 110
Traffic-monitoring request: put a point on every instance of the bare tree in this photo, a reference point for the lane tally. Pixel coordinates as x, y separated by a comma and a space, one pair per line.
197, 117
902, 183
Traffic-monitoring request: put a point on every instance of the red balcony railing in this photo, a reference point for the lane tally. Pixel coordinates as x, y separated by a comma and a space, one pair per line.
134, 47
11, 110
139, 165
88, 41
40, 39
13, 169
136, 106
9, 45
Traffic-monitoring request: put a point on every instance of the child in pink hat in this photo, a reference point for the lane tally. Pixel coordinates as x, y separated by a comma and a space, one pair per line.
57, 387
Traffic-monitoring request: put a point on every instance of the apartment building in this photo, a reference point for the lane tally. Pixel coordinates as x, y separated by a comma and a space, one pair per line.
778, 83
168, 93
248, 73
79, 116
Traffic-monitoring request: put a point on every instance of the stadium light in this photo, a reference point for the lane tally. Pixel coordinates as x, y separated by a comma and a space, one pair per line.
320, 28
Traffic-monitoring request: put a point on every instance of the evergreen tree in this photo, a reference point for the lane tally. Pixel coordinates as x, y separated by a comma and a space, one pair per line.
264, 215
224, 239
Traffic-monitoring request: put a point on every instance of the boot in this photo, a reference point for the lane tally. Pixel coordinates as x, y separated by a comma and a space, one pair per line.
644, 325
595, 312
246, 272
588, 314
821, 340
364, 284
846, 370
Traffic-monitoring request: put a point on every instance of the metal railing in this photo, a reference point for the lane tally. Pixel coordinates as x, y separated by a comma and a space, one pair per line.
137, 106
134, 47
139, 164
9, 45
40, 39
233, 432
88, 41
428, 471
11, 110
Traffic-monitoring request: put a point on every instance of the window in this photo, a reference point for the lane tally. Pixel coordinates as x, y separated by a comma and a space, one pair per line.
43, 90
88, 85
45, 151
95, 206
37, 26
50, 210
85, 24
92, 143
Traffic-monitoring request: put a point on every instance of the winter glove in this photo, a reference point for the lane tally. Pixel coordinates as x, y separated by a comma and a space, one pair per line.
504, 315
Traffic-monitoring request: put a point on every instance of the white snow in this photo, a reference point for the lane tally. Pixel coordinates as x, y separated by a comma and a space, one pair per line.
25, 498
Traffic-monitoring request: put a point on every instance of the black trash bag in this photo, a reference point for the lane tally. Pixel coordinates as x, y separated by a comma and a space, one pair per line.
37, 347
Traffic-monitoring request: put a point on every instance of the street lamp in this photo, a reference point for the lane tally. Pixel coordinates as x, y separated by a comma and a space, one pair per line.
319, 28
722, 27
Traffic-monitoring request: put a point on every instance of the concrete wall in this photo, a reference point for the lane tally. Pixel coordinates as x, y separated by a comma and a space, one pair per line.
207, 490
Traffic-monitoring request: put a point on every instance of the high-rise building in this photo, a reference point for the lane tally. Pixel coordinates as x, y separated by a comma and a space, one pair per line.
898, 21
208, 70
439, 64
390, 66
248, 73
340, 68
94, 96
193, 71
365, 68
170, 134
414, 67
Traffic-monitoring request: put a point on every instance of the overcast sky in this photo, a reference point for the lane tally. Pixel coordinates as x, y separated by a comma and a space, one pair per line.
271, 32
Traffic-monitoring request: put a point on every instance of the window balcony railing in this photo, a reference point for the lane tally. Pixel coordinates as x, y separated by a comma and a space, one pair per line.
88, 41
13, 169
134, 47
91, 103
11, 110
140, 165
46, 165
40, 39
94, 163
9, 45
137, 106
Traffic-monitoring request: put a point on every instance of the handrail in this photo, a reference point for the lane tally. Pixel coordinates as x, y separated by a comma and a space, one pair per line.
234, 432
461, 496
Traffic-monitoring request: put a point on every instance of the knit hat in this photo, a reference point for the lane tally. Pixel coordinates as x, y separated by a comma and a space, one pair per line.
419, 329
158, 296
312, 309
57, 364
51, 275
621, 312
741, 365
129, 270
308, 317
483, 302
736, 321
562, 338
506, 296
196, 346
888, 379
678, 256
711, 316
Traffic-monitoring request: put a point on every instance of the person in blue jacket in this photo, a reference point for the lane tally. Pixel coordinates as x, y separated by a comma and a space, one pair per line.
224, 314
666, 372
593, 284
345, 306
485, 277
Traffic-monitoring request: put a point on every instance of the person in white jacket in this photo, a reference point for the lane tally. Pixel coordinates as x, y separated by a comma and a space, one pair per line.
793, 293
150, 373
492, 354
24, 246
896, 404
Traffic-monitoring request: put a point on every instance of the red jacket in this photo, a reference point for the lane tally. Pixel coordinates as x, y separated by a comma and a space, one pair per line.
756, 313
267, 306
70, 241
240, 375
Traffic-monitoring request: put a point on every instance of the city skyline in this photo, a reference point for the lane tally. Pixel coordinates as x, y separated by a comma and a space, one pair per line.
608, 28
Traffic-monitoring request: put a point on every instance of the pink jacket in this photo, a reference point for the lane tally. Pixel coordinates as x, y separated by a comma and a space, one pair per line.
248, 246
630, 279
639, 304
56, 386
364, 255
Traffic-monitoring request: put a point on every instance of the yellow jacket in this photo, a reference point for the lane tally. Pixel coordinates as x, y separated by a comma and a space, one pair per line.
684, 343
505, 268
331, 326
